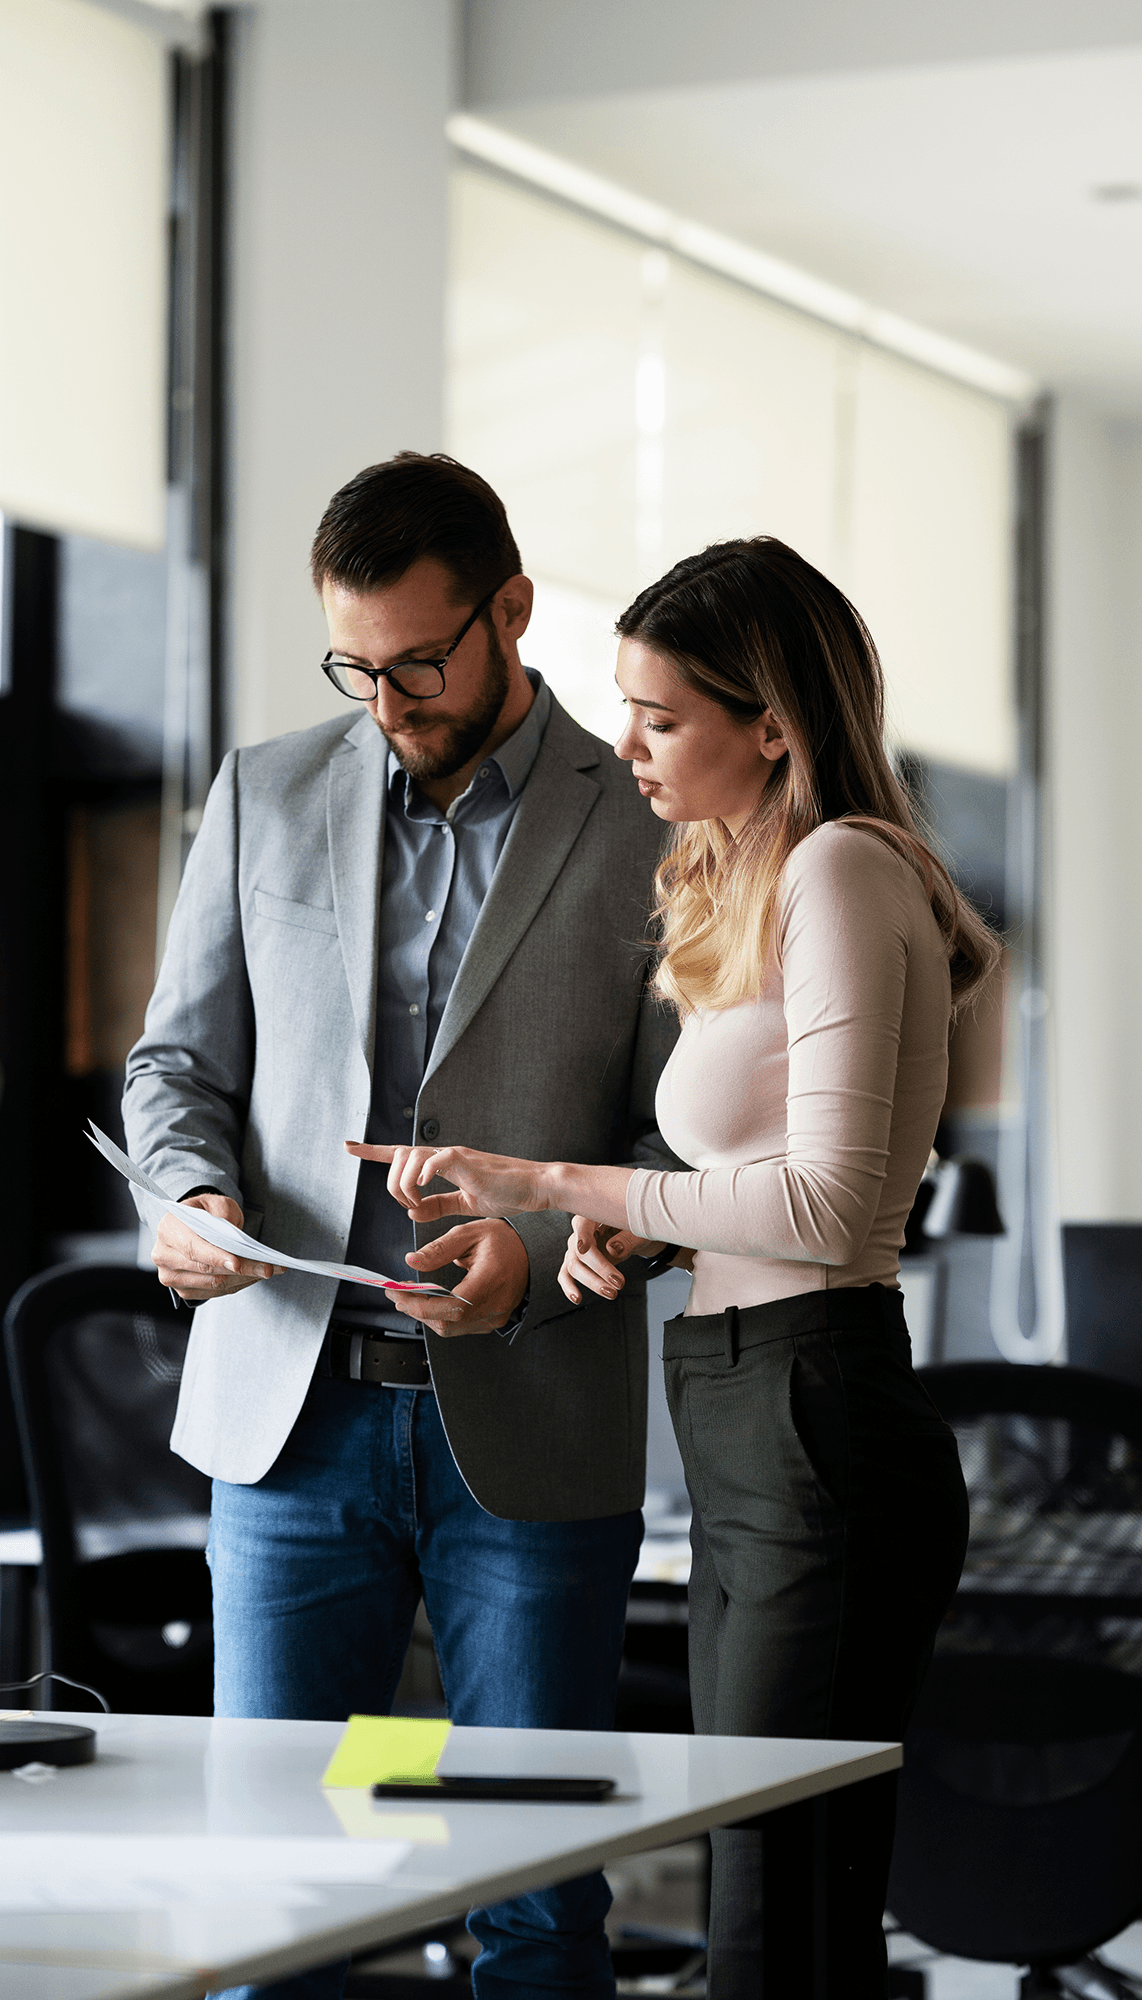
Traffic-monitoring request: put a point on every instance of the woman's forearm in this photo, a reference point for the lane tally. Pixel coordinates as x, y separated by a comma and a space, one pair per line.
600, 1192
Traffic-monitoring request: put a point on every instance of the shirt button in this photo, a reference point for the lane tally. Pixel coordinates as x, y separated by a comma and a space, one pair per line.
430, 916
483, 771
407, 1112
414, 1009
430, 1129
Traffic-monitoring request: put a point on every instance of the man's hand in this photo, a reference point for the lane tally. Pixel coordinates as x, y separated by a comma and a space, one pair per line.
498, 1276
195, 1269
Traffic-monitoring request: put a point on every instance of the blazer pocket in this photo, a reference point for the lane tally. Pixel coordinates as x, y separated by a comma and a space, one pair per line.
303, 916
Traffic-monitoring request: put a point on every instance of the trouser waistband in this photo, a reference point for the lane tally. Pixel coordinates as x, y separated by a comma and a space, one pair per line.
855, 1309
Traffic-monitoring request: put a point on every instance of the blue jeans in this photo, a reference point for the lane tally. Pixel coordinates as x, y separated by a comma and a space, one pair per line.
317, 1572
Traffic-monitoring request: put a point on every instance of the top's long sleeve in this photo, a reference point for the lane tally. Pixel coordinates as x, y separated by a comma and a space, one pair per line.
809, 1114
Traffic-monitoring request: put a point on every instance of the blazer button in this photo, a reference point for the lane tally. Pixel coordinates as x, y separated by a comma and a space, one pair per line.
430, 1129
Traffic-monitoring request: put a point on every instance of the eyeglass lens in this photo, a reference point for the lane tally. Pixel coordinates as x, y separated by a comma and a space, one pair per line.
418, 681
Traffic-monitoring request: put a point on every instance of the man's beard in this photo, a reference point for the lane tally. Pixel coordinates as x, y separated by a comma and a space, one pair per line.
466, 736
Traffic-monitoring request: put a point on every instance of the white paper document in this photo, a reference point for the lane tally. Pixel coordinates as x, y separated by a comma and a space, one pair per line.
124, 1871
225, 1236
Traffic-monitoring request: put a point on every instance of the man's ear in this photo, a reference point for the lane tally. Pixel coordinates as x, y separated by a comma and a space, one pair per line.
512, 608
767, 734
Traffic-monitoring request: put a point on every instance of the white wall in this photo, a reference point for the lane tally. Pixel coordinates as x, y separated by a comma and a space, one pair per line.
1095, 812
631, 409
338, 253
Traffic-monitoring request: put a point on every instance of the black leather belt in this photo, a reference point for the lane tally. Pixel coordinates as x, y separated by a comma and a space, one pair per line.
372, 1357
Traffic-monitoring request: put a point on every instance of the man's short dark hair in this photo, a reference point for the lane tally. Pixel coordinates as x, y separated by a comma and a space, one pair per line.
411, 506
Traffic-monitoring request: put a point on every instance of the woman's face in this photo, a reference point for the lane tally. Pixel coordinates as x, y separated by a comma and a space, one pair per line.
692, 759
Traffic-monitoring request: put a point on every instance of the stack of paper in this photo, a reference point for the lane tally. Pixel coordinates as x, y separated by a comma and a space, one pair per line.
225, 1236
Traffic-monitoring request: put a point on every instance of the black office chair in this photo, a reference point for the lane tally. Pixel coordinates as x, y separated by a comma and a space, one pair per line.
95, 1353
1019, 1836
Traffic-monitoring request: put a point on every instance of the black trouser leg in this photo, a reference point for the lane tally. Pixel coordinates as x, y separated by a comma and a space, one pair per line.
830, 1526
794, 1887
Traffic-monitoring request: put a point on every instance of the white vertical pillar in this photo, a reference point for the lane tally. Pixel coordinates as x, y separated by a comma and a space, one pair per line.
337, 275
1095, 814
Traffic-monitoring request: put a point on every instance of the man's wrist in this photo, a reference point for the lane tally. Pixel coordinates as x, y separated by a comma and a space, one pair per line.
516, 1317
518, 1313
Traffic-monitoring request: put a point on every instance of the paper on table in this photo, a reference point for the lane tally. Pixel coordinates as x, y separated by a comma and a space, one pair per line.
378, 1749
226, 1236
123, 1871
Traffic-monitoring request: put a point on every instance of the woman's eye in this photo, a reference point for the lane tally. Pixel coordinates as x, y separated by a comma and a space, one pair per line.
660, 728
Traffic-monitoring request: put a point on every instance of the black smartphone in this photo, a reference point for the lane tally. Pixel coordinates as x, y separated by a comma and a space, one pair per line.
496, 1788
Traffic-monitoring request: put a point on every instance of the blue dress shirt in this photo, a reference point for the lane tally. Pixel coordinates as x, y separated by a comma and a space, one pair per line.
438, 868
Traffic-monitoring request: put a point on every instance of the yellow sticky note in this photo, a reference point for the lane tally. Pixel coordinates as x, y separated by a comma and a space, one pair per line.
381, 1749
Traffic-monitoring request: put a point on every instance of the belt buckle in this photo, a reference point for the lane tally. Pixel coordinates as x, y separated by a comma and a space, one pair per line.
390, 1346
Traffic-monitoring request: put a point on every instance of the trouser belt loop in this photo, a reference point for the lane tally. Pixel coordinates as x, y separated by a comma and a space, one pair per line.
731, 1336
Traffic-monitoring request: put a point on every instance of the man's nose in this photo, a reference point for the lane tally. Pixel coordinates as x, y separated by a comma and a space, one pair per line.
391, 705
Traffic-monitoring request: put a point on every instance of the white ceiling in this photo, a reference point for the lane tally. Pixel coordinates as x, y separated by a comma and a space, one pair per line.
958, 193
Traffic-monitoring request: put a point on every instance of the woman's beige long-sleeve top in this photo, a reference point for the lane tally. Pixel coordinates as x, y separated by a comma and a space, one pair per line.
809, 1113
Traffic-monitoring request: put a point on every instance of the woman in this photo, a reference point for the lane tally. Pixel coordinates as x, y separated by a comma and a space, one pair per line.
815, 949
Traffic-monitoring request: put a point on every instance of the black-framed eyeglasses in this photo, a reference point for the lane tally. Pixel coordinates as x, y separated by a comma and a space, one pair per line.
420, 680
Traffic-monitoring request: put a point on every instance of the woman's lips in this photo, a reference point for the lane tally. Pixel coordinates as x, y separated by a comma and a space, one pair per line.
647, 786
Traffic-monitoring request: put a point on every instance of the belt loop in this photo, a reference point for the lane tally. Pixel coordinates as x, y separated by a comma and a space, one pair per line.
356, 1343
731, 1336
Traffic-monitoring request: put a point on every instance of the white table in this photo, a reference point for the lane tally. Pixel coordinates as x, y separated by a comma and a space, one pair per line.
197, 1854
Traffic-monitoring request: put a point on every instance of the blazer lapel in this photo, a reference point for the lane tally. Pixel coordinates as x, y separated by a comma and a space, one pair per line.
554, 804
355, 819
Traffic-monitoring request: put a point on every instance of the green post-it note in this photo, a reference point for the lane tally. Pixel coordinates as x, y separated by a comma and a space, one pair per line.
379, 1749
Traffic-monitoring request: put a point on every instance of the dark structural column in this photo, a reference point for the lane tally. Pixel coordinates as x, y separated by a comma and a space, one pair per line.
32, 920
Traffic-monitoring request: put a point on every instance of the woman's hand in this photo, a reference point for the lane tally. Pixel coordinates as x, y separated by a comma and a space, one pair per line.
486, 1183
593, 1255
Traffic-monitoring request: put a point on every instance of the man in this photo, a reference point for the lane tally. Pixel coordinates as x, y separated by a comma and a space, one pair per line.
425, 919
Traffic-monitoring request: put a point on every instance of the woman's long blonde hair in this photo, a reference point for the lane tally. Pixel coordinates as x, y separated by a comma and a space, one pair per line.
751, 625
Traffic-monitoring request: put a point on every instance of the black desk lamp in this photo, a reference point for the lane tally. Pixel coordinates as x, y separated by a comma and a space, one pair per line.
962, 1201
957, 1197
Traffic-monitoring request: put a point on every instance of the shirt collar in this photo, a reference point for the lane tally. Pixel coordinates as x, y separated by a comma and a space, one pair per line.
514, 757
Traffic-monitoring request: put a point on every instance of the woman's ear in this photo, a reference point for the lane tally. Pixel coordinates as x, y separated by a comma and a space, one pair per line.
767, 734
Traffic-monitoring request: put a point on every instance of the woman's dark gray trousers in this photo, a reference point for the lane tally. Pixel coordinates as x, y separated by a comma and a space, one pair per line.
830, 1524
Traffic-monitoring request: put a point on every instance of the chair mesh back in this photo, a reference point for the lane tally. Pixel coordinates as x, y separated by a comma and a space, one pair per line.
1019, 1837
113, 1376
1056, 1539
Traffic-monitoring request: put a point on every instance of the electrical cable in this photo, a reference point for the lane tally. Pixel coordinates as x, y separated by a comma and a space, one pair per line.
11, 1687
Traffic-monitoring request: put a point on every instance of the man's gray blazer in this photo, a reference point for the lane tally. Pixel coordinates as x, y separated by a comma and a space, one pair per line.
255, 1064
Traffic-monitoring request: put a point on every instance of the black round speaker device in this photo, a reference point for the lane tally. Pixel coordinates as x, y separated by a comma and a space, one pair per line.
35, 1742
